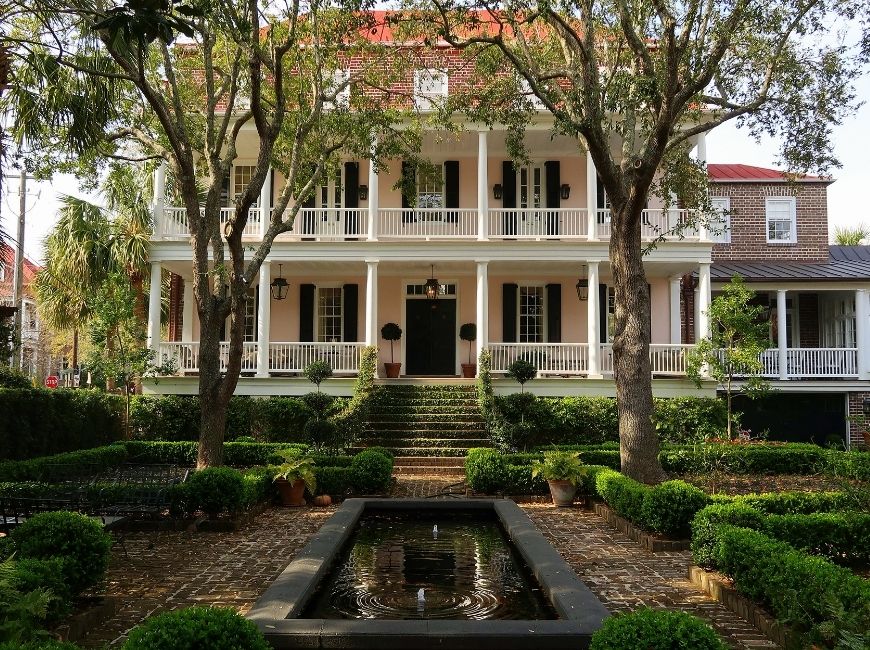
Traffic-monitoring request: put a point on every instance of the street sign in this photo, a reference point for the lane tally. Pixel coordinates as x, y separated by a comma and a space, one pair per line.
51, 381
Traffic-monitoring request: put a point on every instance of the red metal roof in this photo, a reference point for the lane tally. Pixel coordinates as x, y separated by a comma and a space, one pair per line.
737, 173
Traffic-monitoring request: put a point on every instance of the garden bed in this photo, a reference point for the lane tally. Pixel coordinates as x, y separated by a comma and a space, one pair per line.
650, 541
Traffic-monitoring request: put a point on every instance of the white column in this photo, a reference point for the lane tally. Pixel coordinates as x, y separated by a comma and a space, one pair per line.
264, 314
861, 315
482, 190
187, 312
373, 196
154, 307
159, 193
701, 148
703, 302
593, 323
482, 308
676, 333
782, 333
591, 199
266, 203
371, 302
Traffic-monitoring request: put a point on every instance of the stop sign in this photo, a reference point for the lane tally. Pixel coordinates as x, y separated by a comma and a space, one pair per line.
51, 381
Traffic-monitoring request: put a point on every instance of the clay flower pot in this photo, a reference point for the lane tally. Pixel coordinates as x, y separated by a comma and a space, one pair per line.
469, 370
562, 492
392, 370
292, 494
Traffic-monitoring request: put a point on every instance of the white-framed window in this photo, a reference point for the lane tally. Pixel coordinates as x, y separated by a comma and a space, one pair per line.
530, 183
532, 314
838, 317
430, 187
242, 175
340, 81
720, 221
781, 220
329, 314
251, 316
429, 86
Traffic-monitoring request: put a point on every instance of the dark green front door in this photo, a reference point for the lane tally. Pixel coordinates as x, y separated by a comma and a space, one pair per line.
431, 337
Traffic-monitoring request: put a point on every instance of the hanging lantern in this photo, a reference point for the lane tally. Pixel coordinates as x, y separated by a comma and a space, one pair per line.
279, 286
582, 287
432, 286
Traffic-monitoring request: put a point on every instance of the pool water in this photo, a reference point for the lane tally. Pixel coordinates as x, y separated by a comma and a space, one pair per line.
467, 571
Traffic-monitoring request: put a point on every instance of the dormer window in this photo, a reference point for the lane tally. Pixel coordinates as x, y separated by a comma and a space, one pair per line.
429, 86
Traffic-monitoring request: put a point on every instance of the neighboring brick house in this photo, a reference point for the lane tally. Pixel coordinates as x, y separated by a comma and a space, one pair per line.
30, 325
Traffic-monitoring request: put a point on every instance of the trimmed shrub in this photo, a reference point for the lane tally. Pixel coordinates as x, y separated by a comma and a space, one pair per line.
11, 378
813, 595
371, 472
486, 470
48, 573
258, 485
321, 433
335, 481
707, 522
236, 454
668, 508
41, 422
797, 503
196, 628
690, 419
79, 540
752, 458
44, 644
212, 490
649, 629
281, 419
623, 494
40, 469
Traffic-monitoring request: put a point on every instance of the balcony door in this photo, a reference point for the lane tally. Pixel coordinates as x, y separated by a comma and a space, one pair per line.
531, 199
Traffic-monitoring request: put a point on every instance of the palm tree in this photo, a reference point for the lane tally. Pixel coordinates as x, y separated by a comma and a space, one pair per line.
89, 244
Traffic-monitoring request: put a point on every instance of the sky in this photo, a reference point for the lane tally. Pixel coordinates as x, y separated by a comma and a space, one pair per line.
848, 202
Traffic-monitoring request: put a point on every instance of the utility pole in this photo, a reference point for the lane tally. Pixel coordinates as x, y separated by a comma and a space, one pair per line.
18, 275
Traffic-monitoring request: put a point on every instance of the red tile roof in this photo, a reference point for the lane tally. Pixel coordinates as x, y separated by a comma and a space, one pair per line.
737, 173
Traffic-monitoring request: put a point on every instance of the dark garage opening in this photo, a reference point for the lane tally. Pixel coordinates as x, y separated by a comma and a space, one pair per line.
820, 419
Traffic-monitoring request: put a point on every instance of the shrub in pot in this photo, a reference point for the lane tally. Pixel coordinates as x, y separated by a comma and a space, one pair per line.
563, 471
293, 477
468, 332
392, 332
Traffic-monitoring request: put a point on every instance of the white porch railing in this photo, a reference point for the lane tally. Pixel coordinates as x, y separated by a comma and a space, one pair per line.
654, 224
186, 355
822, 362
669, 359
548, 358
329, 224
556, 223
174, 221
427, 223
294, 357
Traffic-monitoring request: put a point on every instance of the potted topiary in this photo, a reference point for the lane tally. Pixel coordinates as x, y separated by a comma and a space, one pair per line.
468, 332
392, 332
563, 471
292, 477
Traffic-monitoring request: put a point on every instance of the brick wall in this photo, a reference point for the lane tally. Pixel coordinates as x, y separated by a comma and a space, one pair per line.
748, 222
856, 408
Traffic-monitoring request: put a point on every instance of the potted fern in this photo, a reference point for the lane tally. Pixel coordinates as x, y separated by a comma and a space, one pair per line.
392, 332
563, 471
468, 332
293, 477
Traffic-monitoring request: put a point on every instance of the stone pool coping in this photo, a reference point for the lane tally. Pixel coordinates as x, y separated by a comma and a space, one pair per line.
277, 610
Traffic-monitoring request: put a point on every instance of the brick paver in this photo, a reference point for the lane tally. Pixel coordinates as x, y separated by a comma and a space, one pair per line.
170, 570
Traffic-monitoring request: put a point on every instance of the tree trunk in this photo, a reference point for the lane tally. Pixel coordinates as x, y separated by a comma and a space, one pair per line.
638, 440
110, 351
213, 409
140, 311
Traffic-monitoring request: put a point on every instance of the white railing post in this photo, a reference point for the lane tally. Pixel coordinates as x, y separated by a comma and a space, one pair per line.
371, 302
159, 197
266, 203
264, 314
373, 195
781, 334
482, 187
187, 312
482, 307
593, 323
676, 334
154, 307
591, 199
861, 315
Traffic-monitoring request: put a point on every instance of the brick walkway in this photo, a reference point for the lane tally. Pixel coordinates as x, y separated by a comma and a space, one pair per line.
169, 570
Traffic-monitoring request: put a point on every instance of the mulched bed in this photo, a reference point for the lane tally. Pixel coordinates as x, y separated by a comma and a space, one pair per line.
757, 483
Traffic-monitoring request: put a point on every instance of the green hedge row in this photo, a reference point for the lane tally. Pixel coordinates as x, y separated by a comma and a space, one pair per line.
841, 537
523, 421
40, 469
369, 472
236, 454
176, 417
830, 604
41, 422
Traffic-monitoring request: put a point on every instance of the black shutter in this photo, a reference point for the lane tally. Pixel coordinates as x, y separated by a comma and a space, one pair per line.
351, 198
509, 196
602, 313
409, 175
554, 199
509, 313
451, 187
350, 299
306, 312
225, 190
272, 189
600, 197
554, 313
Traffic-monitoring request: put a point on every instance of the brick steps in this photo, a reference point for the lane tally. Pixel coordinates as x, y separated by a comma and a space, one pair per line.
425, 465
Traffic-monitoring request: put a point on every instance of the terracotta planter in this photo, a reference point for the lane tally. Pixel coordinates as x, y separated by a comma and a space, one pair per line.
392, 370
469, 370
562, 493
292, 494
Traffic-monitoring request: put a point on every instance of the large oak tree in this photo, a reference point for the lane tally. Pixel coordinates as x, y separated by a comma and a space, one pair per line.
636, 81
